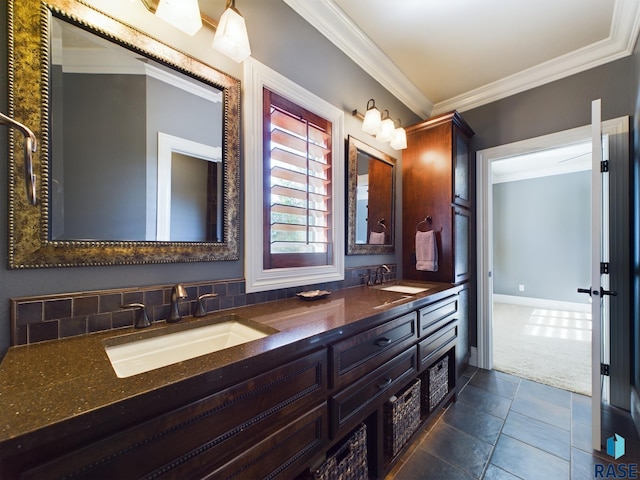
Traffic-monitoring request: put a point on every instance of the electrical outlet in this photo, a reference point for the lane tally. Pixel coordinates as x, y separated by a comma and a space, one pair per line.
521, 288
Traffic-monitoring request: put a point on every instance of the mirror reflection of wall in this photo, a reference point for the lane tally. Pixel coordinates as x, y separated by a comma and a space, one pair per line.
108, 105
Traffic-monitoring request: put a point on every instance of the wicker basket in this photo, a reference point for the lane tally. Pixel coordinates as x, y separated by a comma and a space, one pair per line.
349, 462
436, 386
401, 417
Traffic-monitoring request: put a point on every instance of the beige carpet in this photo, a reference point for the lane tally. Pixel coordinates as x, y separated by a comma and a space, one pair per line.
544, 345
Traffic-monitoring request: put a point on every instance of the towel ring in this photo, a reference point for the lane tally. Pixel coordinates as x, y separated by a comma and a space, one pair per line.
384, 227
427, 221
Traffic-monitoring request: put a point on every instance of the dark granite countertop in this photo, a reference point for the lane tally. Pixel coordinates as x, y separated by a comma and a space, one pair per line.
46, 383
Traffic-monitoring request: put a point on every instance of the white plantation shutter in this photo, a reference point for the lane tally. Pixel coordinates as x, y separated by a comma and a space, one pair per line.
297, 185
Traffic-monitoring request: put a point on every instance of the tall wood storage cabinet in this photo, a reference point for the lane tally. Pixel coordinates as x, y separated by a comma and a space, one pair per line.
436, 196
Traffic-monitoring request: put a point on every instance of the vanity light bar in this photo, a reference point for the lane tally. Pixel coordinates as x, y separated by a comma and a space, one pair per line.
382, 126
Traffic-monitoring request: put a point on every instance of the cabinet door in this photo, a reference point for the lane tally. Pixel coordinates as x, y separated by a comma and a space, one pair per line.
461, 235
460, 159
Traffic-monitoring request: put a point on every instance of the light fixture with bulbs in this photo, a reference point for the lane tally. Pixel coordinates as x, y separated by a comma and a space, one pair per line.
182, 14
231, 38
382, 126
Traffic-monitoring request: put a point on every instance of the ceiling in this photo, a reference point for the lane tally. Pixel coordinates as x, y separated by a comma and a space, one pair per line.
440, 55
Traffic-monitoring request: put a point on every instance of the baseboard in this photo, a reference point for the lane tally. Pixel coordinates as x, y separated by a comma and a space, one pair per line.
541, 303
473, 357
635, 408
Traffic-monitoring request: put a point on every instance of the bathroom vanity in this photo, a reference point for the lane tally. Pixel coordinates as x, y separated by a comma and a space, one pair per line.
271, 407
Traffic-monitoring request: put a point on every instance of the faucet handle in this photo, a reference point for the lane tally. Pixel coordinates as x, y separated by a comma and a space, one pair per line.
142, 320
201, 311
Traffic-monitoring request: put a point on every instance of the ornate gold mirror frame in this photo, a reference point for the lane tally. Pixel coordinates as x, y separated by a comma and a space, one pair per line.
29, 238
358, 150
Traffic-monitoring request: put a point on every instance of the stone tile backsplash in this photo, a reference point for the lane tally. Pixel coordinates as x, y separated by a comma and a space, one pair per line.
50, 317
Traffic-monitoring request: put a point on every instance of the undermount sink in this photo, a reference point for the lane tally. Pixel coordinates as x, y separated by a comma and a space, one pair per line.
404, 289
142, 352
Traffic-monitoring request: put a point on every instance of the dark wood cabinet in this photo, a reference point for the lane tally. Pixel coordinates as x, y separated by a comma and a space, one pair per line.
228, 431
277, 419
436, 196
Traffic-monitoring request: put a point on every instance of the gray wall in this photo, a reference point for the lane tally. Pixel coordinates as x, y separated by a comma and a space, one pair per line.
562, 105
541, 237
279, 39
104, 175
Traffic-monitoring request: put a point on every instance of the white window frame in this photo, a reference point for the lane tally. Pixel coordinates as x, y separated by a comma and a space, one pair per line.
256, 77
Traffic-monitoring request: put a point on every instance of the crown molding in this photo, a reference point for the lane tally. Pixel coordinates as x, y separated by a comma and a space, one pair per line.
333, 23
625, 26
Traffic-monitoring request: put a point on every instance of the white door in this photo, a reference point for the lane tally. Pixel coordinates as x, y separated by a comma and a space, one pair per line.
599, 289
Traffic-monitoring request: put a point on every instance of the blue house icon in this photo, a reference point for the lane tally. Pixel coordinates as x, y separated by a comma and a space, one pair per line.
615, 446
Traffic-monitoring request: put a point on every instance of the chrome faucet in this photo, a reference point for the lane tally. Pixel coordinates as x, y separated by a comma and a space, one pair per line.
177, 293
142, 320
201, 310
380, 271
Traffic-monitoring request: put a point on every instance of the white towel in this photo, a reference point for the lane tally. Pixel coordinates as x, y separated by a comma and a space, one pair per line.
426, 251
376, 238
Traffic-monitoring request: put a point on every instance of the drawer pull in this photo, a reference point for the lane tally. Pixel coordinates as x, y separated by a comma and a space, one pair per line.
382, 342
384, 383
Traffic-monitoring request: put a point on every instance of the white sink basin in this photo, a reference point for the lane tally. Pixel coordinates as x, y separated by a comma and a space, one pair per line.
404, 289
145, 354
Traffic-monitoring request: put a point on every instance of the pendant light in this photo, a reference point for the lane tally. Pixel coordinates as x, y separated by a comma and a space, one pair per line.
399, 138
182, 14
372, 119
387, 127
231, 37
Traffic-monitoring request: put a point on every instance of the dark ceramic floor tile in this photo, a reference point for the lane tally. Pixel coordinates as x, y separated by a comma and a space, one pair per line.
502, 375
580, 408
528, 462
581, 436
494, 384
542, 410
457, 448
585, 466
620, 422
475, 422
554, 395
485, 401
422, 465
495, 473
539, 434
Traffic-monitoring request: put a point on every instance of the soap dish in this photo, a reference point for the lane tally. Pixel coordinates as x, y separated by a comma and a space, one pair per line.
313, 294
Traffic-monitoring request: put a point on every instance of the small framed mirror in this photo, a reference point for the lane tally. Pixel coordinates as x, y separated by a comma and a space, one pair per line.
371, 200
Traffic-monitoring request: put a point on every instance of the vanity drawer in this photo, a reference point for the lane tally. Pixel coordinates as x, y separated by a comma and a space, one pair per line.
352, 405
434, 316
437, 344
279, 456
205, 434
360, 354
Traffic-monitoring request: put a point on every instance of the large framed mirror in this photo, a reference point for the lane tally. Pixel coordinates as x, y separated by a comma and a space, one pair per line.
370, 199
138, 158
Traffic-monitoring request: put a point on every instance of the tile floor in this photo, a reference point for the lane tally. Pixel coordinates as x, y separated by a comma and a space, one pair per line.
503, 427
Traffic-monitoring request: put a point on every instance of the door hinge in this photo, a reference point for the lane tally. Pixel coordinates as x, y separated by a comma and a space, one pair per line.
604, 166
604, 369
604, 268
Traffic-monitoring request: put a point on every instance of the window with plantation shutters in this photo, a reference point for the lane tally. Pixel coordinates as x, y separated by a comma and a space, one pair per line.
297, 185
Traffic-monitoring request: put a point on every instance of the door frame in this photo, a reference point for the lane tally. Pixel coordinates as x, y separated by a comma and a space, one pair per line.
618, 130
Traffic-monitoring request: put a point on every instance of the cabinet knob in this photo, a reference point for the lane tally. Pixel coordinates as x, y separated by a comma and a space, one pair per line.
381, 342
